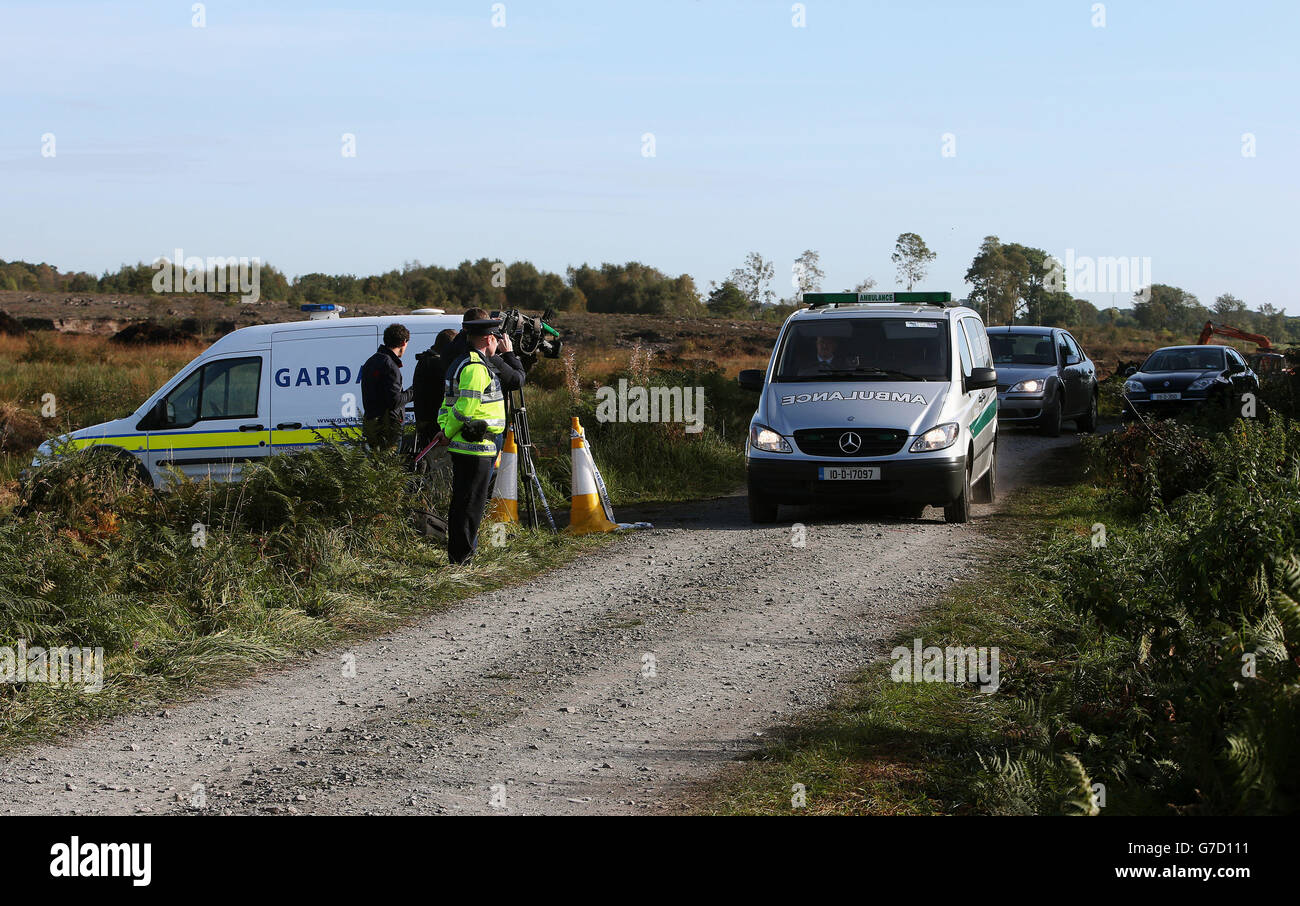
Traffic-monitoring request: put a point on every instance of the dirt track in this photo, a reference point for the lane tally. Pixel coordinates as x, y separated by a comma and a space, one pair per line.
536, 699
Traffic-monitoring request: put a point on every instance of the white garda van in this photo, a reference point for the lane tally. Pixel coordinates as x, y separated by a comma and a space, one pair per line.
875, 397
256, 392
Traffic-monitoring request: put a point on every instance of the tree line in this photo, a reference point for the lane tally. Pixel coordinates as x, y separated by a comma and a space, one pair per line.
633, 287
1010, 283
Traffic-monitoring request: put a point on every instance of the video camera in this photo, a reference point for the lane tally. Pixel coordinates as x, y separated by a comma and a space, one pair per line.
531, 335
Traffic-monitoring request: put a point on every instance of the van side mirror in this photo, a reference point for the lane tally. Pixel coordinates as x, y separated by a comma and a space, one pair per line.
154, 418
981, 379
1072, 359
751, 379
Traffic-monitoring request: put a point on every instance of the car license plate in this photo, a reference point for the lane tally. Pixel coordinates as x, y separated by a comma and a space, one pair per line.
1166, 396
849, 473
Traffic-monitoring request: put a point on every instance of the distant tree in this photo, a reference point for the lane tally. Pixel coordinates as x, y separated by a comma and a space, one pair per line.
571, 299
634, 288
728, 300
1050, 309
995, 276
1085, 314
808, 274
1227, 305
754, 279
1168, 307
1272, 322
912, 257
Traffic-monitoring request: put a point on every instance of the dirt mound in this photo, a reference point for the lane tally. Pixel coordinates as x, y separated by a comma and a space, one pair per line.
11, 326
149, 333
20, 430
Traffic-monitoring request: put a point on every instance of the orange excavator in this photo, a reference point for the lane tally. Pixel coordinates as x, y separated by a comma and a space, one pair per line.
1267, 359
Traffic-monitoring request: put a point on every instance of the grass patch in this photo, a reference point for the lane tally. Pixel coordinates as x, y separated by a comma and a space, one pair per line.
306, 553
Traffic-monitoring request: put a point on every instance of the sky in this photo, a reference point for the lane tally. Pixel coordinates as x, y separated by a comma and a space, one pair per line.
679, 133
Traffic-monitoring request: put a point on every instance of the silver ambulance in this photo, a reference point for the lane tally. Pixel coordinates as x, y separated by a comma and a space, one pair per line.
886, 398
256, 392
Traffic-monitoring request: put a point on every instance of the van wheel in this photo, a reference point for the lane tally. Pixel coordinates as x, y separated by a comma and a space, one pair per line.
987, 488
959, 509
1052, 418
1087, 423
761, 510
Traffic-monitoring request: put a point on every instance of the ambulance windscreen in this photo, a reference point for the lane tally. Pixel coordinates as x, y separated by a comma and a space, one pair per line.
865, 349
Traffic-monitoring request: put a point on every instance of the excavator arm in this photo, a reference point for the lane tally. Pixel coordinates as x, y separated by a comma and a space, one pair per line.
1263, 343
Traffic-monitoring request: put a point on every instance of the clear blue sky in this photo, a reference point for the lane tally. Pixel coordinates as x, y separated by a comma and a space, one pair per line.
524, 142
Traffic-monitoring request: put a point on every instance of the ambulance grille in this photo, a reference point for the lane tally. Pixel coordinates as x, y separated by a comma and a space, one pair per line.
871, 441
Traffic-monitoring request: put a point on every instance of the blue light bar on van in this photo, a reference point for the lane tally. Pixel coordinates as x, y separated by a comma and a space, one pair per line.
318, 306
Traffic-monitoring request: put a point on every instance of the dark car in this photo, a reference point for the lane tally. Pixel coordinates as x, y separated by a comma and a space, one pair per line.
1044, 378
1177, 378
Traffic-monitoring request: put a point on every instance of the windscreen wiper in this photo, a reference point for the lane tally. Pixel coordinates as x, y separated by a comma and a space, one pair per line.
883, 372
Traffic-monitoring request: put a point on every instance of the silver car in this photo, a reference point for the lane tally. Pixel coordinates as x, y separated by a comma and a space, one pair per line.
1044, 379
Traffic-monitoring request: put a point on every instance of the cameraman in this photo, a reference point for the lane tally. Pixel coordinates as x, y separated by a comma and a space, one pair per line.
504, 362
472, 417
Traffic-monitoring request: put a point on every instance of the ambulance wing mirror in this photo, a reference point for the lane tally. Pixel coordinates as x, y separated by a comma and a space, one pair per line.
981, 379
751, 379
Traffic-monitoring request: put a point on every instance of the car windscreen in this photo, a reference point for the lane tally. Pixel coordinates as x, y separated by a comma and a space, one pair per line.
1022, 349
1208, 359
865, 349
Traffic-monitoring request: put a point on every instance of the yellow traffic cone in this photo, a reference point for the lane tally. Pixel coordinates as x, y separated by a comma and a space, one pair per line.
588, 510
504, 505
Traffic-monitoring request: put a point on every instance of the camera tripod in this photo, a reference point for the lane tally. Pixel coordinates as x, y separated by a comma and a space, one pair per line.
529, 485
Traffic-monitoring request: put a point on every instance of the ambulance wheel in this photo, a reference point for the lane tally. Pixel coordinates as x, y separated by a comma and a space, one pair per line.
959, 509
761, 509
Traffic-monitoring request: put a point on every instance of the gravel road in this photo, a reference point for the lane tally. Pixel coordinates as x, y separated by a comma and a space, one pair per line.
611, 685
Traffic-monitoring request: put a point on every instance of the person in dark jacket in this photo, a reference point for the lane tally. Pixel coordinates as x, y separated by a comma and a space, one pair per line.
383, 401
430, 372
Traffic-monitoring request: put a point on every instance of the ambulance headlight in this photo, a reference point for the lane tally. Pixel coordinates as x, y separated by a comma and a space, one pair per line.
764, 438
937, 438
1033, 385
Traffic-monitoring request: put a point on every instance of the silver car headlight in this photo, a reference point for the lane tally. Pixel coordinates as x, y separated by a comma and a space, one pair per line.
939, 437
1031, 385
764, 438
1202, 383
1134, 387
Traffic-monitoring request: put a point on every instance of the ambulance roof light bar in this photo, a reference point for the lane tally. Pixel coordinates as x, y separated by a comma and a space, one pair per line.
825, 300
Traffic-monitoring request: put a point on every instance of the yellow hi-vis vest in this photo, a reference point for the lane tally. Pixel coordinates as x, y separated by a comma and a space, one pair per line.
472, 392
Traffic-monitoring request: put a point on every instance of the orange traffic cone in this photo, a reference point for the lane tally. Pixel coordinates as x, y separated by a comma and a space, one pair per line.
589, 509
504, 505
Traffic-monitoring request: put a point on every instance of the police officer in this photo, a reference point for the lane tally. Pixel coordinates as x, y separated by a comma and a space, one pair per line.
473, 414
506, 364
383, 401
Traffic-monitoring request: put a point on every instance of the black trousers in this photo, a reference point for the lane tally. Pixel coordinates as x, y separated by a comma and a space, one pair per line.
470, 476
